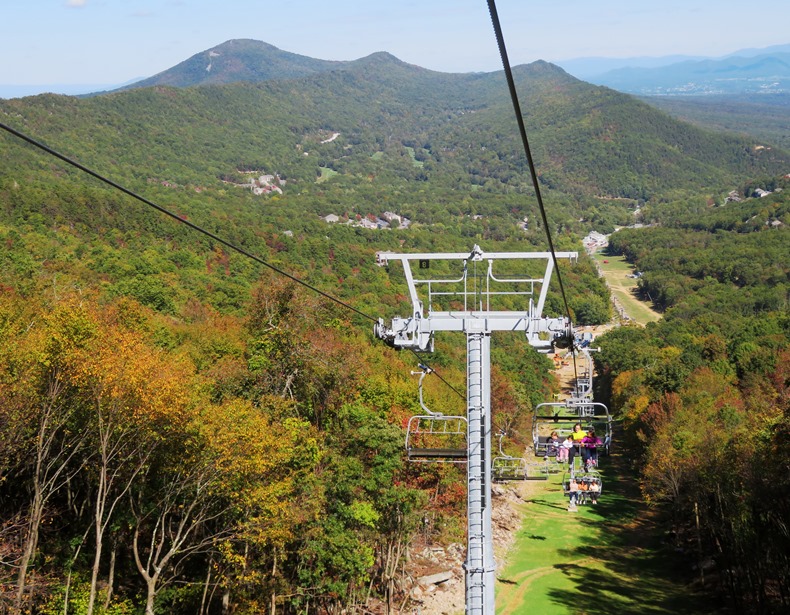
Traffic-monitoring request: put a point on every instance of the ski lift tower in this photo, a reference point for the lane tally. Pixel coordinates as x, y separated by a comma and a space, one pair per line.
467, 295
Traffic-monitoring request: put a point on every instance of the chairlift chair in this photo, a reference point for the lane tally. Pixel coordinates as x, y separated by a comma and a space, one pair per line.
434, 437
549, 417
562, 416
507, 467
594, 415
591, 479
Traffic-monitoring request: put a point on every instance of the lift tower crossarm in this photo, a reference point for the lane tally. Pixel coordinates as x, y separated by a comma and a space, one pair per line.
416, 331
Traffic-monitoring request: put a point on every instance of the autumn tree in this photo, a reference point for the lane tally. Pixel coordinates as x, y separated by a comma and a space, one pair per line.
136, 395
264, 469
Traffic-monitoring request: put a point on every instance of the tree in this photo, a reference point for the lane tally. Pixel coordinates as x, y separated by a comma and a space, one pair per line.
264, 472
136, 395
182, 517
36, 395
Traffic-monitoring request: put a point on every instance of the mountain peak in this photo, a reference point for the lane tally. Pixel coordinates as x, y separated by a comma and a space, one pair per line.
238, 60
382, 56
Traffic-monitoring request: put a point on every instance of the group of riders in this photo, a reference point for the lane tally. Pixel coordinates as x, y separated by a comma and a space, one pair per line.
586, 488
576, 442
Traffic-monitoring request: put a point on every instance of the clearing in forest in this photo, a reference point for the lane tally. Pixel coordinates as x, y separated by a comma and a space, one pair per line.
616, 271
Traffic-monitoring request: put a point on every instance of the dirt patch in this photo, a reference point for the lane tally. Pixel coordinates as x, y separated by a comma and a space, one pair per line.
436, 575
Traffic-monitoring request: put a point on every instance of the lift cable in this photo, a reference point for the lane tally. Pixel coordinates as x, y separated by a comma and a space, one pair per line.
437, 374
195, 227
523, 132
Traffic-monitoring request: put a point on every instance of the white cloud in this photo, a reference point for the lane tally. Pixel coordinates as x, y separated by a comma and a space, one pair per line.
76, 3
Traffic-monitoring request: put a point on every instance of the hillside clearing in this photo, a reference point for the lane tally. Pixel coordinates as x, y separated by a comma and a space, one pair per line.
615, 269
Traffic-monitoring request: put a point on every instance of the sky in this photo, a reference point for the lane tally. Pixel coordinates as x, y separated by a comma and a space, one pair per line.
112, 42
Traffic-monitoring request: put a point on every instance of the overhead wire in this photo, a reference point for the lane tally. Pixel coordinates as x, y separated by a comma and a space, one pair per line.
437, 374
197, 228
530, 161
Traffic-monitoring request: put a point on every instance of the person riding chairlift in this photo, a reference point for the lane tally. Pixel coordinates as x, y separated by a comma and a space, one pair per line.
573, 494
590, 444
577, 435
553, 444
565, 448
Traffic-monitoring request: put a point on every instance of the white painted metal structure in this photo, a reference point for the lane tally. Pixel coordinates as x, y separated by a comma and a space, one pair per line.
466, 298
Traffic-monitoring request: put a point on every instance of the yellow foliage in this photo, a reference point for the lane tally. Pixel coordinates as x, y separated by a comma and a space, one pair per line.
637, 405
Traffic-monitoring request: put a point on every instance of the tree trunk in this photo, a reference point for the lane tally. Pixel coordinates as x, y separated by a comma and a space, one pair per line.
50, 464
226, 602
150, 595
273, 606
95, 570
110, 577
98, 515
31, 543
205, 588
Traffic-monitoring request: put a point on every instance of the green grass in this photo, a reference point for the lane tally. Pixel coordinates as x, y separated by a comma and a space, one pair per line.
326, 173
615, 265
600, 560
616, 271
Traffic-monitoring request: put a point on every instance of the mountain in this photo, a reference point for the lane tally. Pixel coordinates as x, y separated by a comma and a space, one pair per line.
763, 116
761, 74
272, 412
590, 68
454, 132
238, 60
758, 51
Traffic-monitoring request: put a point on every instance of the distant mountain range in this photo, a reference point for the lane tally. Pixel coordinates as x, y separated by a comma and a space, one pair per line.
746, 71
590, 68
749, 71
766, 74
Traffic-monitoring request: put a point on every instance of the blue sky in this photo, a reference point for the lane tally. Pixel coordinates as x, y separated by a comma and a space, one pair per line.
115, 41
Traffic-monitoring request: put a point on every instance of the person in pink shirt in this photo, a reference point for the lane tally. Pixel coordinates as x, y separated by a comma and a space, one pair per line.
590, 444
565, 447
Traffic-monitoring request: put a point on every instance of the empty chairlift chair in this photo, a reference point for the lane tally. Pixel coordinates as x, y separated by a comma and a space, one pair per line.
507, 467
434, 437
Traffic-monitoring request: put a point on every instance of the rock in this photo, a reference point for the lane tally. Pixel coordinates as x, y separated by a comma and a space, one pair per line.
436, 579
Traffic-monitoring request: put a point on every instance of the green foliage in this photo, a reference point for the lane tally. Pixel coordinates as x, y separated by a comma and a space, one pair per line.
78, 592
702, 393
762, 115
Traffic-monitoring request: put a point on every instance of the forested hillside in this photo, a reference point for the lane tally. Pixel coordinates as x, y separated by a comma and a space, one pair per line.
704, 392
765, 116
400, 122
186, 431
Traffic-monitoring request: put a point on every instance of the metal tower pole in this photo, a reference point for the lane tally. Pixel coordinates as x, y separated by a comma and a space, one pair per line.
453, 305
480, 566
